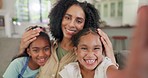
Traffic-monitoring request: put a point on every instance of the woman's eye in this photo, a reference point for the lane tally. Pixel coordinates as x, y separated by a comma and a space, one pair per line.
79, 21
67, 18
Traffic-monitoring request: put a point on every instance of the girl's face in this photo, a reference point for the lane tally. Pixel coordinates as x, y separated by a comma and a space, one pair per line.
39, 51
89, 51
73, 21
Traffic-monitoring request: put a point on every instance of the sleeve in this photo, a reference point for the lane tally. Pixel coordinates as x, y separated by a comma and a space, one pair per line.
12, 70
64, 73
70, 71
107, 63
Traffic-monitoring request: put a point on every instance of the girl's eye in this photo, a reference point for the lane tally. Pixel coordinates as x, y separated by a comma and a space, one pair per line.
35, 50
84, 48
96, 48
47, 49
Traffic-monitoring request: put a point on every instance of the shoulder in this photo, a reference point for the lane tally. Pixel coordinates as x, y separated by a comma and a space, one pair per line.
72, 66
14, 68
70, 70
102, 69
110, 68
19, 61
106, 63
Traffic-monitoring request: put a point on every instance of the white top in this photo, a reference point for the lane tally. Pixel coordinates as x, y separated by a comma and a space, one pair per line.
72, 70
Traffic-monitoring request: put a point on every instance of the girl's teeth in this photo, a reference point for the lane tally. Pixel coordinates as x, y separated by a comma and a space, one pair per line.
90, 61
42, 60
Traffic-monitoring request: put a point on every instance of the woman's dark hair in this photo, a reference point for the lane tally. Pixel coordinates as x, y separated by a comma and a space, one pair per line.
85, 31
42, 34
59, 10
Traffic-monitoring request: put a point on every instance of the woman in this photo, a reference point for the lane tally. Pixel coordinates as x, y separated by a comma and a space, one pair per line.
67, 18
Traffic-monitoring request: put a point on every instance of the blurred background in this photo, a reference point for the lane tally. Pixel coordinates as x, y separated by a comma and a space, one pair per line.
118, 18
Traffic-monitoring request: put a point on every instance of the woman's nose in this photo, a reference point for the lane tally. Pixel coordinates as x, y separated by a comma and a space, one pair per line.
72, 23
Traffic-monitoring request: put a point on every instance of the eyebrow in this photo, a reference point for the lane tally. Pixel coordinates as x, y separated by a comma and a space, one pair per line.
39, 47
77, 17
94, 45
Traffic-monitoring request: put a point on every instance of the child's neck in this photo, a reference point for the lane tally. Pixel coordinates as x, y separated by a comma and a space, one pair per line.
87, 73
32, 65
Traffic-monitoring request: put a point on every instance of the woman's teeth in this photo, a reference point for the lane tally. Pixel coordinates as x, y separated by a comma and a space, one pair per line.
71, 30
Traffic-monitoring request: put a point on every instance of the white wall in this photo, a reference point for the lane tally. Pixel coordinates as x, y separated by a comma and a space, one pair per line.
112, 21
130, 11
8, 10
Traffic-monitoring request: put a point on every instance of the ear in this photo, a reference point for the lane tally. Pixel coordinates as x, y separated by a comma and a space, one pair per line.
75, 50
28, 51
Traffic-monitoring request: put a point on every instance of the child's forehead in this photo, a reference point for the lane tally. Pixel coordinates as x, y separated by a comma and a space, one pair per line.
89, 38
91, 35
38, 41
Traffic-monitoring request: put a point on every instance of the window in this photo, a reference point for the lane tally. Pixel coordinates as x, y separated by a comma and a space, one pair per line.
112, 9
120, 8
105, 10
99, 7
33, 10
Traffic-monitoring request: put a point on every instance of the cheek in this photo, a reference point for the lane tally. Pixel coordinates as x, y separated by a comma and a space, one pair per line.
48, 53
64, 22
99, 54
81, 55
33, 55
80, 27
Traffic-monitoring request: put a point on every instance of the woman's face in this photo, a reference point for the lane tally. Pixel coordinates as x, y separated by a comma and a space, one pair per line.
89, 51
73, 21
39, 51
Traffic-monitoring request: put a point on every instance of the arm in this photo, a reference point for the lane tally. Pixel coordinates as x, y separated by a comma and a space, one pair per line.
107, 45
13, 70
27, 38
113, 72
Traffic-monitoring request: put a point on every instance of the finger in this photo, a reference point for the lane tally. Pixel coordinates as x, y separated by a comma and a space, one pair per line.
29, 41
29, 35
108, 50
30, 32
104, 35
104, 42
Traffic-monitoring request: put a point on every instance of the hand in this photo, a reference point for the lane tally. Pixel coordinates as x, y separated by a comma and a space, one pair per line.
27, 38
107, 45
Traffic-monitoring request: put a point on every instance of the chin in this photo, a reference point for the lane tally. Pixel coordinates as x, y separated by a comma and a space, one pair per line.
41, 64
91, 68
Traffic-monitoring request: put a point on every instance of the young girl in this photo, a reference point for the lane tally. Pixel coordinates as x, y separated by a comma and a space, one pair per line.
91, 62
27, 64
